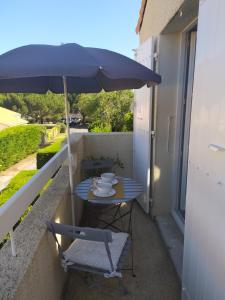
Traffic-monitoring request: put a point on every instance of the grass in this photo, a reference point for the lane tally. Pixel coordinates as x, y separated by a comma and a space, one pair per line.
54, 147
15, 184
46, 153
23, 176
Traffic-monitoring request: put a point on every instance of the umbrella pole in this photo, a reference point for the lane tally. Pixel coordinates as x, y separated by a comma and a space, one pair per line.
69, 149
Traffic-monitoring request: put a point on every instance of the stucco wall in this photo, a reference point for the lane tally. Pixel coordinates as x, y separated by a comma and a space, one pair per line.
157, 14
110, 145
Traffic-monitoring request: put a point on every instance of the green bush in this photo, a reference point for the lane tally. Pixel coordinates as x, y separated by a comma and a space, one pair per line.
46, 153
100, 128
128, 122
18, 142
50, 133
15, 184
62, 127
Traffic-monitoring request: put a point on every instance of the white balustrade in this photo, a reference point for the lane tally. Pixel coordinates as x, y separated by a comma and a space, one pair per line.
13, 209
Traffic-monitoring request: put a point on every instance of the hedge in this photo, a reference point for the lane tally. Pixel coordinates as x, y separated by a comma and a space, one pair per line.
50, 133
62, 127
46, 153
17, 143
15, 184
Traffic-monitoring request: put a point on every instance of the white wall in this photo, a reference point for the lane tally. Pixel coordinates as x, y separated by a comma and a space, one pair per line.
204, 247
157, 15
111, 144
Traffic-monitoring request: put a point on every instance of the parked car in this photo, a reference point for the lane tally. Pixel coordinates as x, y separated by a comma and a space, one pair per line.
74, 122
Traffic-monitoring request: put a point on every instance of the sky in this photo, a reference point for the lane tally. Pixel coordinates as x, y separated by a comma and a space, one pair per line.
108, 24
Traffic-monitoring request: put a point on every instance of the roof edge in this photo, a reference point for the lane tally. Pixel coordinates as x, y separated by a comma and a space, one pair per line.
141, 16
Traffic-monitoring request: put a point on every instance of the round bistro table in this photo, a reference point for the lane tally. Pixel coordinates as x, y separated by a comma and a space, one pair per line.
131, 190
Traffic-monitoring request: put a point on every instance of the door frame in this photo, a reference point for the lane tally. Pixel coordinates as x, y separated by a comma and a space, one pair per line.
180, 95
145, 200
187, 119
153, 126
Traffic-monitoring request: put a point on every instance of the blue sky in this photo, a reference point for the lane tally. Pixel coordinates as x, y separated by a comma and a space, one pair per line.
106, 24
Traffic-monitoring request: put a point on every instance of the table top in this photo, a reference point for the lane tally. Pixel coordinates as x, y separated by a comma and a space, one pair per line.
132, 189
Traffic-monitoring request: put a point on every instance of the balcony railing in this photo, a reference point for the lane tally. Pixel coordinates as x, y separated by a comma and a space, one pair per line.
13, 209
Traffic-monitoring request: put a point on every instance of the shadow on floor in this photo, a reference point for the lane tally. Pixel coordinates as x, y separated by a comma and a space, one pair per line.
155, 276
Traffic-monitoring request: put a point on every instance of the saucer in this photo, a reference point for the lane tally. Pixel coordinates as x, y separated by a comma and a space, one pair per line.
109, 194
115, 181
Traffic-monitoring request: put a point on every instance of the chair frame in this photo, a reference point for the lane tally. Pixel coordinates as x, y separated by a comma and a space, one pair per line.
91, 234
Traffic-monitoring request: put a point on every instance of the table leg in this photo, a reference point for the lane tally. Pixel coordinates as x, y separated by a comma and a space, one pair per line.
130, 231
132, 241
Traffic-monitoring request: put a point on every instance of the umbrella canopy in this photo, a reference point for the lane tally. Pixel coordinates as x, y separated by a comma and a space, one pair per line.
70, 68
40, 68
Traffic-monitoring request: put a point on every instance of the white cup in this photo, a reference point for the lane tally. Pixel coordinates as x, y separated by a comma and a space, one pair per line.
108, 177
104, 187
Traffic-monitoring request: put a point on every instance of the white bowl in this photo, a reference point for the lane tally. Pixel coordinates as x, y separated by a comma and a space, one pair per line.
104, 187
108, 177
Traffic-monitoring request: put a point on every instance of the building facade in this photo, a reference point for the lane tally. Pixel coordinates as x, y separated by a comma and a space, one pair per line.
184, 41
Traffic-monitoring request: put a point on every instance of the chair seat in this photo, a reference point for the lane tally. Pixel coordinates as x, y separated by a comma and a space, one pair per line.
93, 254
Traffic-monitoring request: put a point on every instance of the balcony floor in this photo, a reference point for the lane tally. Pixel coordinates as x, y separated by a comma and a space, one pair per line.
155, 276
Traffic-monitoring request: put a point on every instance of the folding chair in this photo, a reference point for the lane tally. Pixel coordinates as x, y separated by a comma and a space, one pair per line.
98, 251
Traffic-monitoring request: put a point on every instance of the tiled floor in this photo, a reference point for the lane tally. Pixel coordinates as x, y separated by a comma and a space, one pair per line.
155, 276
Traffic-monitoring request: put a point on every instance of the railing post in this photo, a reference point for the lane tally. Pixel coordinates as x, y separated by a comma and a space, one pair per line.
13, 246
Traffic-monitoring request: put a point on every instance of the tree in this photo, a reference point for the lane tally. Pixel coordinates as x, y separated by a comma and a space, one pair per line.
113, 106
128, 121
72, 98
14, 102
45, 107
105, 109
38, 107
87, 105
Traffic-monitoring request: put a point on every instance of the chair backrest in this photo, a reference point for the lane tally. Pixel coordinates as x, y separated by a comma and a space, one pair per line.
83, 233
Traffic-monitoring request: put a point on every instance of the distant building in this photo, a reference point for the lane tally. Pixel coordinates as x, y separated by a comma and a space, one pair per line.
9, 118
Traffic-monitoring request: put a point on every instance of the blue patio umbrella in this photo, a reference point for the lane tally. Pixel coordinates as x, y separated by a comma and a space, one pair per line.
70, 68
